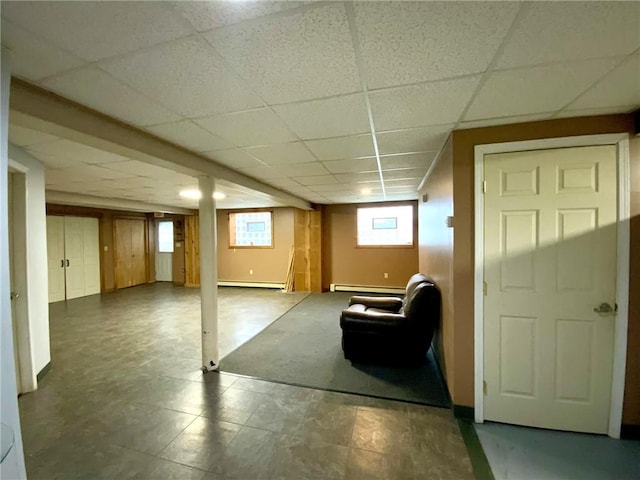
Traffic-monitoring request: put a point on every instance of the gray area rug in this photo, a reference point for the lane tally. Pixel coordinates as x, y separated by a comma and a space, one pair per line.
303, 348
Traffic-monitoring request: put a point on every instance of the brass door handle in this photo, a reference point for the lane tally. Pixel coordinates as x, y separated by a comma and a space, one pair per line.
605, 308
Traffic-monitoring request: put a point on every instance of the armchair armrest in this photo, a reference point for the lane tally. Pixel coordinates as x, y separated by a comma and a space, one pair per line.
357, 318
393, 304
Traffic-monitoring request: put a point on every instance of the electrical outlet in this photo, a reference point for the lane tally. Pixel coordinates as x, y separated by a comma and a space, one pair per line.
250, 272
386, 275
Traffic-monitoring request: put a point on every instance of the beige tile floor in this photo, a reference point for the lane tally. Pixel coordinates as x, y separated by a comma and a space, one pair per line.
125, 399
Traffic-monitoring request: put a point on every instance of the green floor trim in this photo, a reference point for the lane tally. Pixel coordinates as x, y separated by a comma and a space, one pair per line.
43, 372
481, 467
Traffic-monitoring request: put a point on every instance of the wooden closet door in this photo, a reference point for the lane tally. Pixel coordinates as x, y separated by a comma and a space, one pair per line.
138, 252
122, 242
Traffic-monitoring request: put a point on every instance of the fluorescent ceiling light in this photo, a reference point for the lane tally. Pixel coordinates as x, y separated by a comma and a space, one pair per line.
195, 194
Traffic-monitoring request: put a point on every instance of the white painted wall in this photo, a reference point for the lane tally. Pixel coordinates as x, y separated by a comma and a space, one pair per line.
13, 466
36, 234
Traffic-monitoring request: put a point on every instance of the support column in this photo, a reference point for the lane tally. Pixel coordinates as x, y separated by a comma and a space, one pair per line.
208, 274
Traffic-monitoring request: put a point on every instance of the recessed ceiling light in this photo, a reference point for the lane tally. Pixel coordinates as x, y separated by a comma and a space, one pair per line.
365, 191
195, 194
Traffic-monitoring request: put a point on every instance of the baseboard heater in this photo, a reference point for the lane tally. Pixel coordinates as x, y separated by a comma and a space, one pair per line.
251, 284
364, 289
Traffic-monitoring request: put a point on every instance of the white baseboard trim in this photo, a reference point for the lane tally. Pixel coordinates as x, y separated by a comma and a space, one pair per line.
251, 284
364, 289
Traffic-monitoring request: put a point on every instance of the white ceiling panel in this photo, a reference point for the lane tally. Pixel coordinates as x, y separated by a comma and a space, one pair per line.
331, 188
330, 117
311, 51
359, 177
489, 122
96, 89
303, 169
213, 14
282, 153
54, 160
67, 175
191, 136
434, 103
621, 87
368, 164
342, 147
250, 128
283, 182
316, 180
77, 152
136, 168
33, 58
412, 160
537, 89
590, 112
23, 137
413, 140
566, 31
264, 173
417, 173
410, 42
96, 30
186, 76
235, 159
98, 171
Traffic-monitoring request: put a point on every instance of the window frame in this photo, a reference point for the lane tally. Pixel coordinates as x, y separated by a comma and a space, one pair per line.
414, 223
232, 230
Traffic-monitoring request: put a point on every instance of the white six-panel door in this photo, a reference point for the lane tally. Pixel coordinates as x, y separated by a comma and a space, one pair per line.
550, 260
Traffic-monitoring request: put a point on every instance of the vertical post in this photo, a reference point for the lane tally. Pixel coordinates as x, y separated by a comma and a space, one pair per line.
208, 274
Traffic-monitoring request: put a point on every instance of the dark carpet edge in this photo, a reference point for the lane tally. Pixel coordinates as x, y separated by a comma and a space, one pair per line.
479, 462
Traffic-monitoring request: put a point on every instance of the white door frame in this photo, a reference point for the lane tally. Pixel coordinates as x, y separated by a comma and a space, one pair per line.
18, 230
621, 140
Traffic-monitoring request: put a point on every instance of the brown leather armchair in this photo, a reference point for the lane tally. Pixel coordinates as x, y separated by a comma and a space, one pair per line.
392, 330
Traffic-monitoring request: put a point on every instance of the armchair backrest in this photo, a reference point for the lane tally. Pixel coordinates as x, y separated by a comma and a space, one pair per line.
422, 301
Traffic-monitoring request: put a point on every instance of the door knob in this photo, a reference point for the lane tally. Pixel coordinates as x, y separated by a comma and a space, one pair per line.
605, 308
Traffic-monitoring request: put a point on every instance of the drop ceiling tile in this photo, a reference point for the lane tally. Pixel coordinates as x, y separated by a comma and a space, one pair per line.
263, 173
23, 137
305, 55
68, 175
590, 112
417, 173
250, 128
95, 89
489, 122
339, 148
621, 87
191, 136
96, 30
368, 164
413, 140
357, 177
98, 172
282, 153
77, 152
235, 159
410, 42
331, 117
434, 103
410, 160
537, 89
136, 168
567, 31
208, 15
186, 76
316, 180
283, 182
33, 58
303, 169
329, 188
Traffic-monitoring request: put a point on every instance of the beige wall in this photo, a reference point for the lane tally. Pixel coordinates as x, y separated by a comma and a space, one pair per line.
435, 241
346, 264
268, 264
461, 385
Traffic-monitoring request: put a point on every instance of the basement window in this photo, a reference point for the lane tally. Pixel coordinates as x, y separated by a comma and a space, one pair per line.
385, 226
251, 230
165, 237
